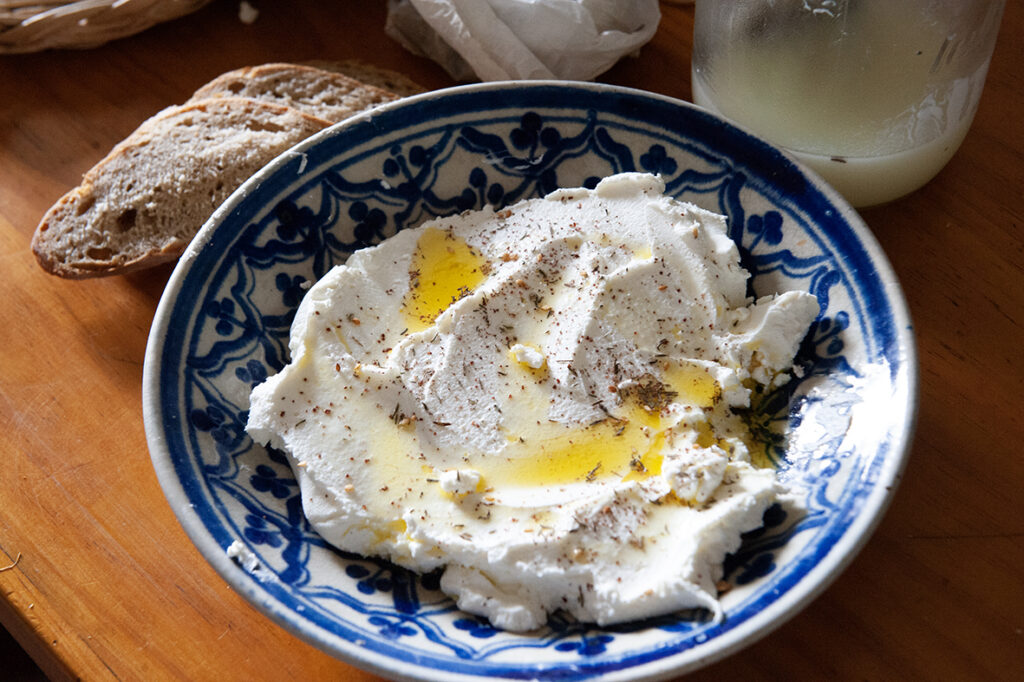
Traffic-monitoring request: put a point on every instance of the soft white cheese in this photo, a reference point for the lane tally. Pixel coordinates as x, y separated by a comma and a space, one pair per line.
541, 400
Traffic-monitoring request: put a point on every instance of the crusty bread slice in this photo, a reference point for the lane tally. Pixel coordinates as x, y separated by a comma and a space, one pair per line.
142, 204
386, 79
318, 92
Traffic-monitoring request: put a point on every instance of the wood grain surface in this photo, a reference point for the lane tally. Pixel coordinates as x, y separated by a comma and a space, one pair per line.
101, 583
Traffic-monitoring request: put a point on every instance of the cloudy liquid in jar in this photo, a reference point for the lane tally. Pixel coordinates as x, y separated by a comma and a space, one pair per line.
876, 96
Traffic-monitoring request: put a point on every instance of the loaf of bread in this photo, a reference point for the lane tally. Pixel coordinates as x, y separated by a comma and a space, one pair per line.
142, 204
318, 92
145, 201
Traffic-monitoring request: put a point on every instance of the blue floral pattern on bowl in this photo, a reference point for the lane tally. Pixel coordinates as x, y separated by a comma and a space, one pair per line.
223, 325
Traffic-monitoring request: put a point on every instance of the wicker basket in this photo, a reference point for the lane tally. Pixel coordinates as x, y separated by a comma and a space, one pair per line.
32, 25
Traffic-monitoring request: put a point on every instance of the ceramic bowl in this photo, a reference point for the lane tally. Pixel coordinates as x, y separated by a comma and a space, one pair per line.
839, 434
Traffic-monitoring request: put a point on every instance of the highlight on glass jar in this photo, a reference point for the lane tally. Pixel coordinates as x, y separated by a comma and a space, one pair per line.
874, 95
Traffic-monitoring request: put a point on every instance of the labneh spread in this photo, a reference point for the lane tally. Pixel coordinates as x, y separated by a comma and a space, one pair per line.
544, 400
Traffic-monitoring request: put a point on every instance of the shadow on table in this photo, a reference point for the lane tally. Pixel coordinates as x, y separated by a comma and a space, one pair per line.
17, 666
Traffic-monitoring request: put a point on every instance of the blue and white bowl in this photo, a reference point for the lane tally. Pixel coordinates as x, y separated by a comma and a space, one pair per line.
222, 327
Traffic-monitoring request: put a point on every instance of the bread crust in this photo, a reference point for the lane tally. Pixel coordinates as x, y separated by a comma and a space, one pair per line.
328, 95
386, 79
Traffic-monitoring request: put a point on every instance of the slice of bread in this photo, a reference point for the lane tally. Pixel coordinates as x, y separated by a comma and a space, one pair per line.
318, 92
386, 79
142, 204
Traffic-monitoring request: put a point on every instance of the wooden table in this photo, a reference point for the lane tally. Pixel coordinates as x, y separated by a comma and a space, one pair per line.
104, 584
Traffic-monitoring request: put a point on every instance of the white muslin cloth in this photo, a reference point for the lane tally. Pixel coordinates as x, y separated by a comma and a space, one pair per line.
494, 40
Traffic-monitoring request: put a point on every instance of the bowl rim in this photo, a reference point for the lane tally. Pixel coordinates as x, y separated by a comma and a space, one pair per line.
797, 596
